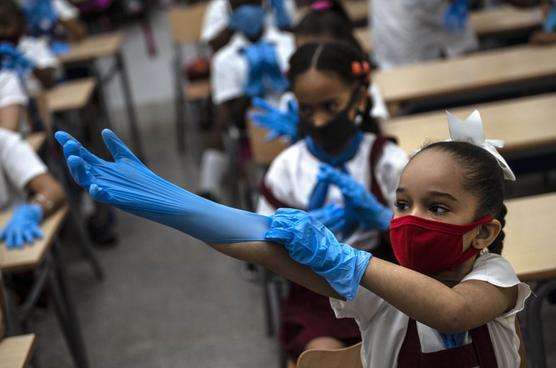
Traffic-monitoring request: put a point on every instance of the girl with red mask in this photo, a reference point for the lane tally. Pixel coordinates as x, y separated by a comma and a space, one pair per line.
453, 298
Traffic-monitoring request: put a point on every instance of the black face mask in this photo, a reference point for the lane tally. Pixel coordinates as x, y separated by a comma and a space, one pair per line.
336, 133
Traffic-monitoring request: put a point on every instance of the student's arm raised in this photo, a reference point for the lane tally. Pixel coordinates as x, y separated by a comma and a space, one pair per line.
129, 185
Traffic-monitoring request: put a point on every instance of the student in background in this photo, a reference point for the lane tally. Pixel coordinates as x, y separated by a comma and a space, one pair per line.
330, 83
251, 64
453, 298
26, 186
12, 100
44, 16
412, 31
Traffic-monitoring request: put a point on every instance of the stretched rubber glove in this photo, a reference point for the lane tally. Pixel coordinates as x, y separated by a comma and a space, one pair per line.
256, 62
332, 216
248, 19
23, 227
279, 123
283, 20
129, 185
550, 22
455, 17
369, 212
310, 243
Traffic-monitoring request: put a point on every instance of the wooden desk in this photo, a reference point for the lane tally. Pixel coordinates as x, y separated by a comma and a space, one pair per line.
102, 45
30, 256
522, 123
36, 140
530, 234
479, 71
503, 19
15, 352
264, 152
72, 95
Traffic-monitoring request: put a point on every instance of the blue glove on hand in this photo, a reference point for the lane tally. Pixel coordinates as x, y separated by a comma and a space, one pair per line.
310, 243
550, 21
130, 186
41, 17
279, 123
283, 20
332, 216
12, 59
256, 64
23, 227
248, 19
360, 204
455, 17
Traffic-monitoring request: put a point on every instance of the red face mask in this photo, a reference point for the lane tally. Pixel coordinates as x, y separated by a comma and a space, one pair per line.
428, 246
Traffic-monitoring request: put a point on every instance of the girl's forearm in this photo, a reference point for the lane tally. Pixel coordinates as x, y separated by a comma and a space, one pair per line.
275, 258
433, 303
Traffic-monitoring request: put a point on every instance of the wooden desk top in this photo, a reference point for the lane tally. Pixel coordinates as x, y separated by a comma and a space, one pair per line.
70, 95
264, 152
522, 123
15, 352
530, 236
30, 256
97, 46
36, 140
482, 70
504, 19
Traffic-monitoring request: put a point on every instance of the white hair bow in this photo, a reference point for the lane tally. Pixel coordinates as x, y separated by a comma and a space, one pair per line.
471, 131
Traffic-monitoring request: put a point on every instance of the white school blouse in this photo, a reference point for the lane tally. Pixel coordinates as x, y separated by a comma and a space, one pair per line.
412, 31
293, 175
11, 90
37, 51
65, 10
229, 69
18, 165
383, 327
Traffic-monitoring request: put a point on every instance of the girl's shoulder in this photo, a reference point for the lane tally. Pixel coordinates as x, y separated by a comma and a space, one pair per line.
494, 269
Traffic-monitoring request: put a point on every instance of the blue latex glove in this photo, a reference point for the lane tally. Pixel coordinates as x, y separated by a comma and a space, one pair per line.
41, 17
248, 19
130, 186
279, 123
455, 17
23, 227
12, 59
361, 205
310, 243
278, 81
283, 20
256, 64
60, 47
550, 21
332, 216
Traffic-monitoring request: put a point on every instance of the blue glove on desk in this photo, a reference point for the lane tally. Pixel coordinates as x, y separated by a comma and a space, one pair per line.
248, 19
130, 186
279, 123
455, 17
310, 243
283, 20
550, 21
23, 227
361, 205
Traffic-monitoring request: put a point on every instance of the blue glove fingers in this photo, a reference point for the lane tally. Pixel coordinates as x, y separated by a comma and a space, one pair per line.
117, 147
18, 239
262, 104
337, 226
80, 171
27, 235
318, 195
37, 232
261, 119
550, 22
64, 137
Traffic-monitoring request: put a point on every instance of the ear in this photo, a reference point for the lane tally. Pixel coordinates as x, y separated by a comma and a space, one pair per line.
487, 234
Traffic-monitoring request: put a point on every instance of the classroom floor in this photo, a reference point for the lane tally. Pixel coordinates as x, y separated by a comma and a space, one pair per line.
168, 300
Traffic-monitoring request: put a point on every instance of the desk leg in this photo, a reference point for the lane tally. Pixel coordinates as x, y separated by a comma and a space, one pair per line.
535, 336
65, 309
133, 124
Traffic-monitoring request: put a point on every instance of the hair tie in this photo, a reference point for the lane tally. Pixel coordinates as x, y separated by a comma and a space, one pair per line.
321, 5
471, 131
361, 69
